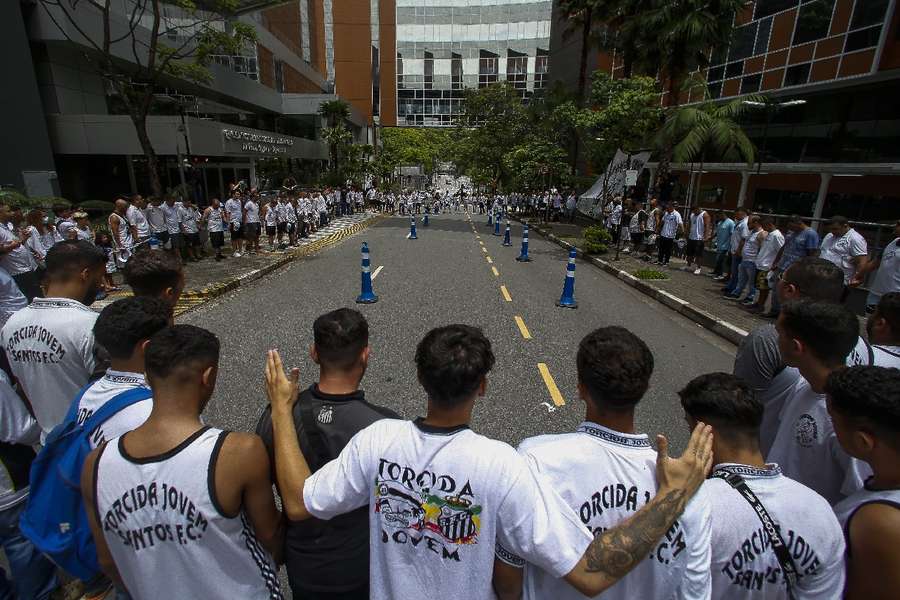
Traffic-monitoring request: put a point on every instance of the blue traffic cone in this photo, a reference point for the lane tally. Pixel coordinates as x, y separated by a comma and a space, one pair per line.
425, 220
497, 225
412, 229
366, 296
506, 241
523, 256
490, 218
567, 300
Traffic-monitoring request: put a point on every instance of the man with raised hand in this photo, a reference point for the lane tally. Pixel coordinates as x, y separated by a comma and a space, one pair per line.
440, 495
604, 471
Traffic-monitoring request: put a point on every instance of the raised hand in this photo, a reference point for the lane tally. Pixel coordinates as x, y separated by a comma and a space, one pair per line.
281, 388
690, 470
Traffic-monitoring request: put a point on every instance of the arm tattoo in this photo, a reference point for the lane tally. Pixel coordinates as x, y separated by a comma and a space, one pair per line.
620, 549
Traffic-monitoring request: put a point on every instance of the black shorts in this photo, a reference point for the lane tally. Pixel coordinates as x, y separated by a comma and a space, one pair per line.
163, 237
237, 232
177, 240
282, 227
251, 230
217, 238
271, 229
192, 240
695, 248
637, 239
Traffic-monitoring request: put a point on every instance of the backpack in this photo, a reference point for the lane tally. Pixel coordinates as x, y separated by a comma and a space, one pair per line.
54, 519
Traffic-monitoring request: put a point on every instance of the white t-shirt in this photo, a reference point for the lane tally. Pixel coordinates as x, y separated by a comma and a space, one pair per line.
136, 217
605, 477
19, 260
11, 297
887, 278
740, 232
770, 247
743, 566
751, 245
886, 356
189, 218
102, 391
439, 499
172, 217
156, 218
807, 448
670, 223
215, 220
698, 226
841, 250
50, 347
234, 208
17, 426
252, 209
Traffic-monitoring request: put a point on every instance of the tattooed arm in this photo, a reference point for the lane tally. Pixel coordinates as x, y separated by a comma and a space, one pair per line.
618, 550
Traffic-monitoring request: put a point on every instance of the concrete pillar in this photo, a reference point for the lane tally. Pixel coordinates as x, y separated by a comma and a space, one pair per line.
690, 191
742, 194
132, 180
820, 199
223, 191
252, 173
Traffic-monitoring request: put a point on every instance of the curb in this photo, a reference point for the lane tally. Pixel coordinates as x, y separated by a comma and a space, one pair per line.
707, 320
194, 298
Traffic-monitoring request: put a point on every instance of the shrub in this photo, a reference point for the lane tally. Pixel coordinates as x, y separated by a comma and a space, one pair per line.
596, 240
649, 274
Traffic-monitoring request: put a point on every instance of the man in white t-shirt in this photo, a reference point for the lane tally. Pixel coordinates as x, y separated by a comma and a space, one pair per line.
251, 224
846, 248
747, 269
123, 329
815, 337
740, 233
234, 208
440, 495
670, 224
190, 229
16, 259
156, 219
699, 235
743, 565
135, 215
765, 260
605, 473
862, 402
172, 217
50, 343
887, 271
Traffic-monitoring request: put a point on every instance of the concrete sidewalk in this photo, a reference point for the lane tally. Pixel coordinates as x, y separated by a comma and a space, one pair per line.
209, 278
697, 297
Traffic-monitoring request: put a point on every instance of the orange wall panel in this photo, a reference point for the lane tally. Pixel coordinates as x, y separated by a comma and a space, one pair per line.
732, 87
754, 65
840, 22
857, 63
830, 47
388, 58
266, 66
776, 59
801, 54
782, 30
353, 53
772, 79
824, 70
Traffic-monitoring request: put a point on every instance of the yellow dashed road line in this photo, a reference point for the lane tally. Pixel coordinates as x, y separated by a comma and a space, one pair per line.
505, 293
483, 249
489, 259
522, 329
495, 271
555, 395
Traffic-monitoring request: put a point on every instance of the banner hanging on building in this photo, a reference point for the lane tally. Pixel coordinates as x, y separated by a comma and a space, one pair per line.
614, 179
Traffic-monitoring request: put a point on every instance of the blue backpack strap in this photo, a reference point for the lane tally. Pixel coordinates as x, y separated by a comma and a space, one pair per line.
115, 404
72, 414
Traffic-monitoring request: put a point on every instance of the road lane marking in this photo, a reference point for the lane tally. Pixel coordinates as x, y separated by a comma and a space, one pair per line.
505, 293
495, 271
490, 261
377, 271
522, 329
555, 395
483, 249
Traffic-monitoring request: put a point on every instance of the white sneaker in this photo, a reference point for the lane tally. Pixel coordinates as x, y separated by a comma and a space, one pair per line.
237, 255
697, 271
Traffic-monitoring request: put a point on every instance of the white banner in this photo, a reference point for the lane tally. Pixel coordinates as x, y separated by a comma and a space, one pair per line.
592, 201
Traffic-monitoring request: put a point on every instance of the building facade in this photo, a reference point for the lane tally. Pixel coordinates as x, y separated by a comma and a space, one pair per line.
826, 132
75, 139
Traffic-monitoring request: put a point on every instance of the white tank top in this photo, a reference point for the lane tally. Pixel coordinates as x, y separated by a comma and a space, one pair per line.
846, 508
215, 223
166, 532
698, 226
123, 234
272, 215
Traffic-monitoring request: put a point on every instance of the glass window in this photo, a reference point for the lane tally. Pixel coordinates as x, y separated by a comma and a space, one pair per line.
797, 75
715, 74
429, 70
734, 69
279, 75
762, 37
814, 21
868, 12
742, 42
750, 85
764, 8
864, 38
715, 90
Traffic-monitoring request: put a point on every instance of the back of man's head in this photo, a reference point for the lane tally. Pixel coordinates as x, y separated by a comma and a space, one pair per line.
883, 325
814, 278
865, 400
340, 337
126, 323
726, 403
179, 353
154, 273
68, 258
826, 331
614, 367
452, 362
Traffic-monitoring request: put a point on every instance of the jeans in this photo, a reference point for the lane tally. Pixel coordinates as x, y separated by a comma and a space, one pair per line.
721, 257
33, 575
665, 249
735, 273
747, 276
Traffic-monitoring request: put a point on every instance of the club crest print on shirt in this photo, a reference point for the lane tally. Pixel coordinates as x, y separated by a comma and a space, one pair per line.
426, 509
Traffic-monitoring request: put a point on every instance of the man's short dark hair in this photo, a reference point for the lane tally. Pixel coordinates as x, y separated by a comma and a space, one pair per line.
830, 331
795, 219
69, 257
179, 348
340, 336
816, 279
615, 366
724, 401
869, 396
151, 272
838, 220
123, 324
451, 363
889, 309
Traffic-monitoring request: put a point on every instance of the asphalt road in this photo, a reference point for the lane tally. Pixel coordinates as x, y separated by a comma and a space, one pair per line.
445, 277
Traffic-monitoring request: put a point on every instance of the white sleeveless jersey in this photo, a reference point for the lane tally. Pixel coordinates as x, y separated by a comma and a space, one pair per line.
166, 532
606, 476
846, 508
742, 563
272, 215
123, 235
698, 226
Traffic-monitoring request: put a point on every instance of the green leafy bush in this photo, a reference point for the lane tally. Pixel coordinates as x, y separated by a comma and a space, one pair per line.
649, 274
596, 240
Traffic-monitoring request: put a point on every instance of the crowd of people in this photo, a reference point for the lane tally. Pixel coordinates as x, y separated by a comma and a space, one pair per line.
789, 487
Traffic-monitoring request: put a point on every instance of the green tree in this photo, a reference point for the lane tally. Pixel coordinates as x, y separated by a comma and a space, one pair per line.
336, 133
159, 39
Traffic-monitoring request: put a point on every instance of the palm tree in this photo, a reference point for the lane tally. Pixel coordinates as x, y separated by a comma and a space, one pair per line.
336, 113
709, 130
